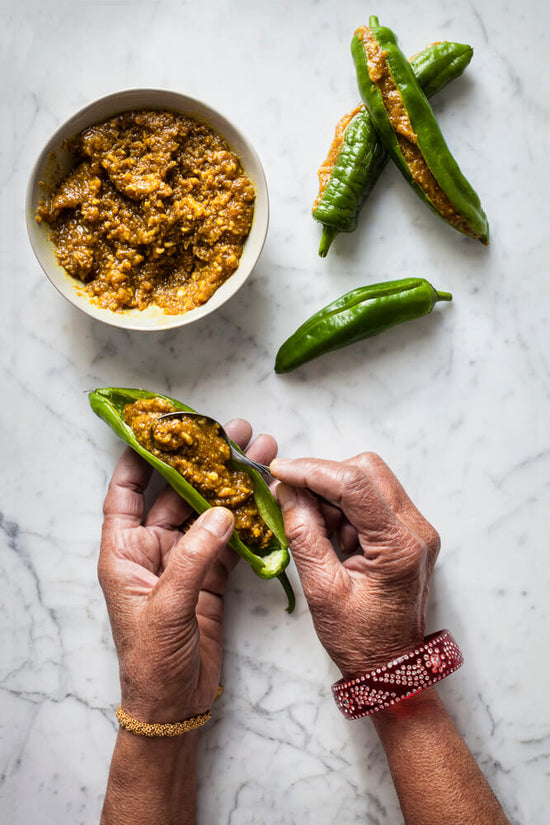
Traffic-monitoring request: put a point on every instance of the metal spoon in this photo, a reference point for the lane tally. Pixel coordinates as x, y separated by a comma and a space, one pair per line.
236, 455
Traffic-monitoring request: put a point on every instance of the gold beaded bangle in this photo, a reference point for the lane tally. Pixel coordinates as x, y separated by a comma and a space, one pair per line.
162, 728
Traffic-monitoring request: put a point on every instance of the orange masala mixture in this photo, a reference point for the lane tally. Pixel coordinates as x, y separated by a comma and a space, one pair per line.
156, 211
196, 450
380, 74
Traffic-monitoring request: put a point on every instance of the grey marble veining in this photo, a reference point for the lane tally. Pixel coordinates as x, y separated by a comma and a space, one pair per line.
458, 403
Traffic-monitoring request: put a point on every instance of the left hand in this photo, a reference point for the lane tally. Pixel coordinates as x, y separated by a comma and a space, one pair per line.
164, 590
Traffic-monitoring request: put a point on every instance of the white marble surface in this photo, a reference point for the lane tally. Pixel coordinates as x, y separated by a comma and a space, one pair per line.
456, 403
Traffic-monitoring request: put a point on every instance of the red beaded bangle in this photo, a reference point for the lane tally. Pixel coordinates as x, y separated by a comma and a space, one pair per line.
400, 679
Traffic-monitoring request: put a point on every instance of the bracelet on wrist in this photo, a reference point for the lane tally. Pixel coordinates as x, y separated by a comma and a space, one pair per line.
400, 679
163, 729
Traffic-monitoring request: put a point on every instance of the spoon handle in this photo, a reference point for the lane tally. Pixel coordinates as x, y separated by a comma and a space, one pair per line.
269, 478
264, 471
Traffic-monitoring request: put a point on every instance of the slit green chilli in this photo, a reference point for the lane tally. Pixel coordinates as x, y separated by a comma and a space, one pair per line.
357, 156
108, 403
361, 313
407, 127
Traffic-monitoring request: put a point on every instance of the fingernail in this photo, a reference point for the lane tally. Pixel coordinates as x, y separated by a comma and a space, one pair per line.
217, 522
278, 464
286, 496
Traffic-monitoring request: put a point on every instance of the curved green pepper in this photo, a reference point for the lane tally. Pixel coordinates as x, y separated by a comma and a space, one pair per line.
409, 131
360, 158
357, 156
108, 403
359, 314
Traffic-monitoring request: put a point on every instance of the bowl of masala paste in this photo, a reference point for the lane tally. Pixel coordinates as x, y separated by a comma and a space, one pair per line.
147, 209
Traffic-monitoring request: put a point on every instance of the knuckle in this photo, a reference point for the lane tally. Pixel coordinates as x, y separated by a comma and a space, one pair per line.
417, 550
372, 459
400, 552
368, 461
413, 555
433, 540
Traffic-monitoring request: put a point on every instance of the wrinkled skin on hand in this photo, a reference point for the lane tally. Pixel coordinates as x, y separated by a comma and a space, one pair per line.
370, 607
164, 589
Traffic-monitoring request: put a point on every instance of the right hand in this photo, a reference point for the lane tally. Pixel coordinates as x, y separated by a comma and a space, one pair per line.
370, 608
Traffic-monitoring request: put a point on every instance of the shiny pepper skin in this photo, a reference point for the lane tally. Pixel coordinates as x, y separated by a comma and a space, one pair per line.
407, 127
361, 313
357, 156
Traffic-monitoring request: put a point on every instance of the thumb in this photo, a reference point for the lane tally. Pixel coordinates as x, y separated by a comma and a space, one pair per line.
321, 573
195, 553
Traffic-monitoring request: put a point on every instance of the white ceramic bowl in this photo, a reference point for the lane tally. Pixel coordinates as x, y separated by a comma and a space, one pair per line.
55, 161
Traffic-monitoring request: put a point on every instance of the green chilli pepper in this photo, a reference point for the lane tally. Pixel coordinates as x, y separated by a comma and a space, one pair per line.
407, 127
357, 156
359, 314
109, 403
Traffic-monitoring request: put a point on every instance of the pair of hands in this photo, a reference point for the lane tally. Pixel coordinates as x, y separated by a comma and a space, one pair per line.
164, 589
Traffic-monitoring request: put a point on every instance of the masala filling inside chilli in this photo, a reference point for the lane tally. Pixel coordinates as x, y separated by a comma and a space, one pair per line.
380, 74
156, 211
195, 448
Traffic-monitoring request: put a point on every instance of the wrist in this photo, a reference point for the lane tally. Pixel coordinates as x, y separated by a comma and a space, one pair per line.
163, 712
424, 705
384, 651
159, 703
151, 780
160, 710
144, 716
160, 749
400, 679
